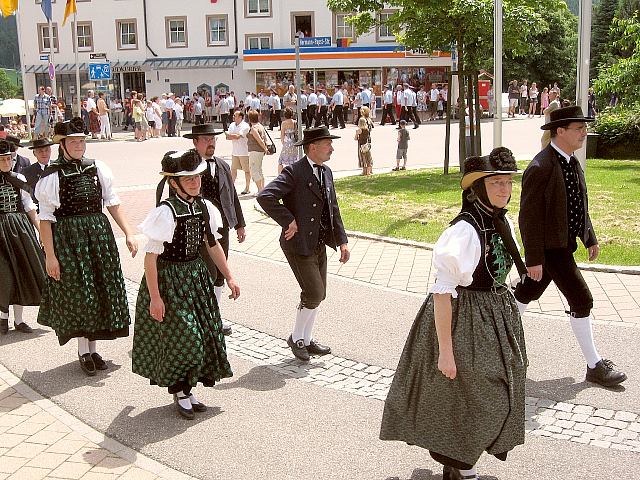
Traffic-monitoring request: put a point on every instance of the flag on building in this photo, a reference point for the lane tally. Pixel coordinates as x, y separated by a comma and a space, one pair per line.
7, 7
46, 9
343, 42
69, 9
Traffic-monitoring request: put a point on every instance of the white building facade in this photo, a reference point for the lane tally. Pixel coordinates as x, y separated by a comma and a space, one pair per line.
157, 46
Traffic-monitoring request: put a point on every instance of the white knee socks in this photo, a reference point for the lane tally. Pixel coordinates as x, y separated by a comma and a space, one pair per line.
4, 316
304, 324
469, 474
522, 307
308, 328
17, 314
92, 346
584, 335
83, 345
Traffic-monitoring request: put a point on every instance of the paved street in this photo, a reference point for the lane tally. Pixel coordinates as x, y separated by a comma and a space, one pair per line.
278, 419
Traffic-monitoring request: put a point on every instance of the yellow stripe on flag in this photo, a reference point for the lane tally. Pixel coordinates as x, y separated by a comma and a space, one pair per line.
68, 10
8, 7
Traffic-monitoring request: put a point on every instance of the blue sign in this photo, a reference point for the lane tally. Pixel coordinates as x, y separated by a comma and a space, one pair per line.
315, 42
100, 71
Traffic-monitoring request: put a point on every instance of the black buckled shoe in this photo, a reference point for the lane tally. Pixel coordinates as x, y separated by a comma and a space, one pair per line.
298, 349
314, 348
197, 406
87, 365
98, 361
22, 327
4, 326
605, 374
226, 330
185, 412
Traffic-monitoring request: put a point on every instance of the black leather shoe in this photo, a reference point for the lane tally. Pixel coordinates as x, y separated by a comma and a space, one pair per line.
185, 412
298, 349
226, 330
98, 361
605, 374
197, 407
87, 365
4, 326
315, 348
22, 327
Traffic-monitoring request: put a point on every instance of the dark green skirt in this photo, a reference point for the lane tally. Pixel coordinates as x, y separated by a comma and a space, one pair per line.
483, 408
188, 345
90, 299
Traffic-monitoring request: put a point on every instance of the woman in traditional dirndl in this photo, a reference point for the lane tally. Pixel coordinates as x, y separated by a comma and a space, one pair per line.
85, 296
178, 339
459, 388
21, 260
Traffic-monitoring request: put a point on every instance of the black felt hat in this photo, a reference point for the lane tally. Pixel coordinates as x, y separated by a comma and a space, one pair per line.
71, 128
202, 130
311, 135
499, 162
182, 164
564, 116
5, 148
13, 140
40, 143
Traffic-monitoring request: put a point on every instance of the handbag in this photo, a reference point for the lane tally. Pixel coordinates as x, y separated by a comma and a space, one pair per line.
365, 147
271, 148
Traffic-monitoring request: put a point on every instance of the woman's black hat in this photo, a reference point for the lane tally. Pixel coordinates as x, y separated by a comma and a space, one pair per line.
201, 130
311, 135
561, 117
5, 148
499, 162
71, 128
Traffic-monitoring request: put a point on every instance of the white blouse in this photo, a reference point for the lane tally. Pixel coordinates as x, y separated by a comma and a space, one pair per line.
160, 225
48, 191
27, 201
456, 256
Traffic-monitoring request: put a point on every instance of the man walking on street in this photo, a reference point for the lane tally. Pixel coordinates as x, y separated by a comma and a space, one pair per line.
323, 108
387, 109
218, 188
554, 213
338, 102
42, 109
302, 199
312, 109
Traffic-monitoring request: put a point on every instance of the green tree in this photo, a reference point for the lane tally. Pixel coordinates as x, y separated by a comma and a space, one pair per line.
600, 29
7, 89
626, 8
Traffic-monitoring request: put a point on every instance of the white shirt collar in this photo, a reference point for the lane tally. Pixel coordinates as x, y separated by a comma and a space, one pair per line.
564, 155
313, 169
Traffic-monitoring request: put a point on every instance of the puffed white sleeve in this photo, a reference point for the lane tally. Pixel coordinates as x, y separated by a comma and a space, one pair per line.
158, 227
215, 218
105, 175
455, 257
27, 201
48, 194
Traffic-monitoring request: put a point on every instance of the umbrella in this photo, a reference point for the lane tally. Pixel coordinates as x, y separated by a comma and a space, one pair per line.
13, 106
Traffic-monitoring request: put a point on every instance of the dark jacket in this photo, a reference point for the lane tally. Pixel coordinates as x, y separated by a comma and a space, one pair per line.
228, 197
301, 197
33, 173
543, 208
21, 164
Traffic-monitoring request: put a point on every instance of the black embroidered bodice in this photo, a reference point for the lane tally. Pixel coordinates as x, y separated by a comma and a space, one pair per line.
10, 199
80, 189
189, 232
495, 262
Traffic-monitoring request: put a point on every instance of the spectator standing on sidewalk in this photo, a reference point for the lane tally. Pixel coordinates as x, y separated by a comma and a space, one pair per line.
363, 139
115, 106
257, 146
524, 96
554, 104
403, 146
533, 99
289, 132
41, 111
459, 388
237, 133
276, 115
554, 214
94, 117
103, 114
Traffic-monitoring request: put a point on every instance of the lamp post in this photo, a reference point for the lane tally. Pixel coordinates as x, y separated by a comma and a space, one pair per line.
497, 73
582, 77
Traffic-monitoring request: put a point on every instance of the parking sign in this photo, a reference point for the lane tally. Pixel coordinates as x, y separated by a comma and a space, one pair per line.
100, 71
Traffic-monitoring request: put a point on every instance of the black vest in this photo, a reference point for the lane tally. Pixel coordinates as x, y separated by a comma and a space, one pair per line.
575, 206
210, 189
80, 189
325, 219
189, 232
10, 197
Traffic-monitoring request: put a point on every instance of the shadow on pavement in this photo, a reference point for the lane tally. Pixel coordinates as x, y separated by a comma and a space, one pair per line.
137, 431
259, 379
561, 389
15, 337
65, 378
422, 474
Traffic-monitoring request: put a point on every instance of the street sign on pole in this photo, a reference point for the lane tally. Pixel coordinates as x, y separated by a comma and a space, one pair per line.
97, 56
315, 42
100, 71
44, 58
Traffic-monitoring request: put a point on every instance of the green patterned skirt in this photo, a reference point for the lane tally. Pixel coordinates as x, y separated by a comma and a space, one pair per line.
188, 345
483, 408
90, 299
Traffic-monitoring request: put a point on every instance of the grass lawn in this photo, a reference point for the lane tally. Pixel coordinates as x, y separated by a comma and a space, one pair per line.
418, 204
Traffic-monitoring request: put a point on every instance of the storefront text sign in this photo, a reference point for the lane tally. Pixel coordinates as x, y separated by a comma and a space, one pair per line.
315, 42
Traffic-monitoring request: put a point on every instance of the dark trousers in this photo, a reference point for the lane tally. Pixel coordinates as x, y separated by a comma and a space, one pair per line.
414, 115
275, 119
224, 243
311, 115
224, 118
345, 113
388, 110
311, 273
338, 117
199, 120
321, 117
171, 126
559, 266
303, 117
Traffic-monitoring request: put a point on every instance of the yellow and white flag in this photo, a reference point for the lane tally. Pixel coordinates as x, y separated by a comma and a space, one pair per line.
68, 10
7, 7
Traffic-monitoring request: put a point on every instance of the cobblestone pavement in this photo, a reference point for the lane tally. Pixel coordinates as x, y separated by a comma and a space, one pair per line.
40, 440
585, 424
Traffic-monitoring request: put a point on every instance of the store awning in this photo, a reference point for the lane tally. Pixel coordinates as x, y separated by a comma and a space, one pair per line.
192, 62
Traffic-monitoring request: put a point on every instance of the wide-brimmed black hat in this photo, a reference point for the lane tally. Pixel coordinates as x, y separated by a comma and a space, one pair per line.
564, 116
311, 135
201, 130
499, 162
5, 148
71, 128
40, 143
182, 164
15, 141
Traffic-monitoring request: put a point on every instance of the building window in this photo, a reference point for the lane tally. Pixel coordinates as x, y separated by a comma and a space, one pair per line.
217, 30
176, 28
301, 22
126, 30
257, 8
44, 41
342, 29
384, 33
259, 41
84, 36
